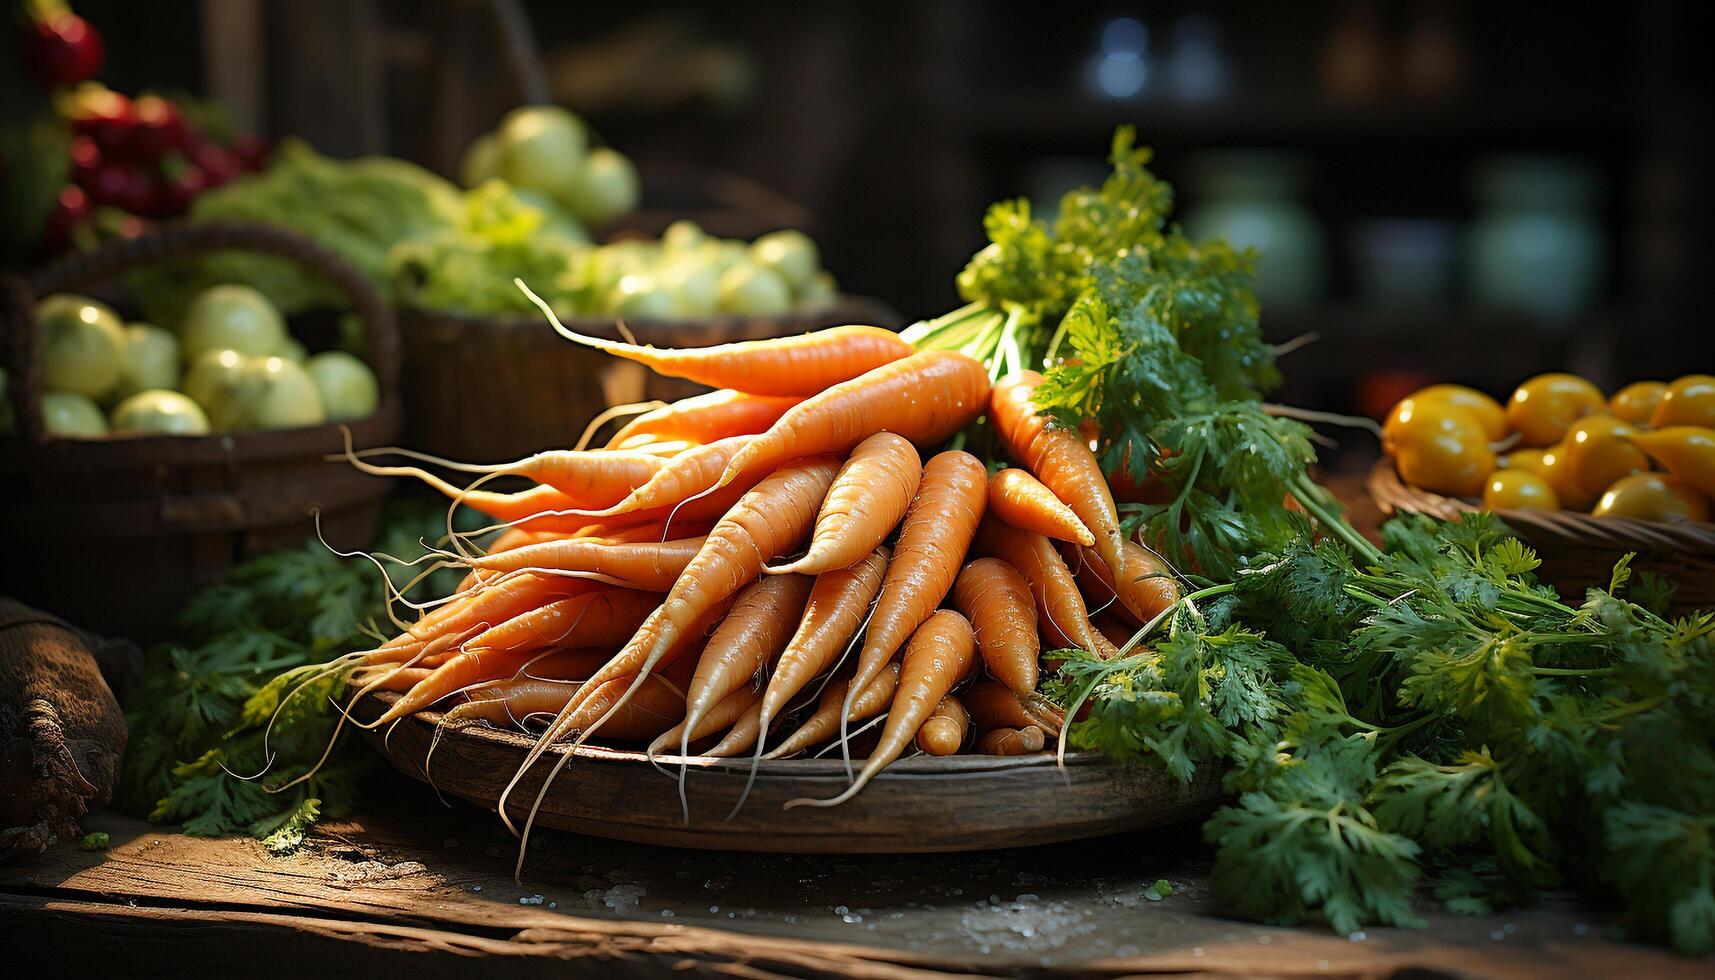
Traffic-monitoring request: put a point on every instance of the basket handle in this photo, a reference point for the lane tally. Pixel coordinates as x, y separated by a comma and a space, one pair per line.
82, 270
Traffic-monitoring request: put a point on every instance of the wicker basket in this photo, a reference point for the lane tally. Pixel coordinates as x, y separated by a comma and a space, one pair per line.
115, 534
1578, 550
488, 390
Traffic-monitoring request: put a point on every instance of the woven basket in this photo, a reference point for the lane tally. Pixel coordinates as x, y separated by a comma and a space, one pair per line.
1577, 550
487, 390
114, 534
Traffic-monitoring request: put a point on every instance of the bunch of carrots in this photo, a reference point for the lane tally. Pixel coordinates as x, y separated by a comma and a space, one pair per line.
781, 551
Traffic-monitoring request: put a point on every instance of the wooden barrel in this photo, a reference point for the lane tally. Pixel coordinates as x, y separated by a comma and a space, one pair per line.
487, 390
114, 534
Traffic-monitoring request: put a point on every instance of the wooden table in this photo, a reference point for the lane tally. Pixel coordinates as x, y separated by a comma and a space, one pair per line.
421, 886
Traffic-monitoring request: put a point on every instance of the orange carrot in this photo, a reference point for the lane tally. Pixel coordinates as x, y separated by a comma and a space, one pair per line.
1011, 741
748, 640
1060, 611
824, 723
652, 566
1152, 588
1062, 460
1118, 631
997, 601
627, 708
745, 732
771, 519
590, 619
721, 715
511, 701
495, 603
387, 677
945, 731
868, 498
993, 705
802, 365
703, 419
579, 479
684, 476
931, 548
832, 616
940, 654
1096, 584
925, 398
1021, 500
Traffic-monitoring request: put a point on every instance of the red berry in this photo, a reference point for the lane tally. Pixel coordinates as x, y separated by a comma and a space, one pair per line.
85, 160
71, 209
158, 128
63, 49
174, 194
106, 117
252, 151
217, 163
123, 186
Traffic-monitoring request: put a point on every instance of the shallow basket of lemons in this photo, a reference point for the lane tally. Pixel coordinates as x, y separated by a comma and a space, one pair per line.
1585, 477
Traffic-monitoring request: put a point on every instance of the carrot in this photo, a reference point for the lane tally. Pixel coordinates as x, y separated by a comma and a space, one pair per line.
925, 398
997, 601
824, 723
1062, 460
802, 365
1060, 611
940, 654
1011, 741
1152, 588
387, 677
578, 478
510, 701
684, 476
703, 419
832, 616
627, 708
493, 603
993, 705
652, 566
745, 732
1117, 631
1021, 500
868, 498
944, 733
1096, 584
624, 531
748, 640
932, 542
590, 619
769, 520
721, 715
517, 537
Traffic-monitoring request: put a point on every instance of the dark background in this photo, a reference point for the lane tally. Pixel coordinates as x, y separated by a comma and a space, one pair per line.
894, 124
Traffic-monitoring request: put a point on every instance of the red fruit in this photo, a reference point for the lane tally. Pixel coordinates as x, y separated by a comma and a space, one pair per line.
123, 186
217, 163
106, 117
63, 49
71, 209
252, 151
158, 128
85, 160
174, 194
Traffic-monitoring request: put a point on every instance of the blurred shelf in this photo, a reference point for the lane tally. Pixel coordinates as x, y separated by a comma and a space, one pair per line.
1297, 119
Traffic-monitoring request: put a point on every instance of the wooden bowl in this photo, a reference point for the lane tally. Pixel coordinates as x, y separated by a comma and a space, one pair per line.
920, 804
1578, 550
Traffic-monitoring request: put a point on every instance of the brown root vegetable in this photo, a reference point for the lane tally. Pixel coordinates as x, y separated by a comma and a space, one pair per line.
1011, 741
61, 731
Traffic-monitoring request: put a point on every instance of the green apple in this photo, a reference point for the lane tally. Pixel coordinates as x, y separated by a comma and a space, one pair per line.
158, 412
789, 254
543, 147
72, 416
820, 291
482, 161
83, 345
280, 395
231, 317
749, 288
217, 382
642, 297
682, 237
695, 287
605, 188
556, 220
291, 350
347, 387
151, 360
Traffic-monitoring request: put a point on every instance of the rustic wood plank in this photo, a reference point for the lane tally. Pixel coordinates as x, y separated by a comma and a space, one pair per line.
416, 886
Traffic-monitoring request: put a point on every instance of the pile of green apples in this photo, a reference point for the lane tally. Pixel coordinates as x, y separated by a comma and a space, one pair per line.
689, 273
231, 365
544, 153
